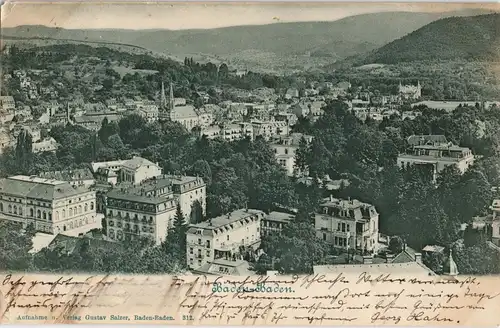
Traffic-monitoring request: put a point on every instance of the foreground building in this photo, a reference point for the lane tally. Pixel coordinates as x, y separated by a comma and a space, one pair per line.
140, 211
223, 237
51, 206
148, 209
435, 152
348, 224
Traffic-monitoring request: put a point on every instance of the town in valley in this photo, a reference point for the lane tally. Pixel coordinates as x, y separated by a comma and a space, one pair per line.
118, 159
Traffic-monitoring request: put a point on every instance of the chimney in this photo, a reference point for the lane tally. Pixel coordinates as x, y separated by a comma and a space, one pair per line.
331, 198
390, 258
418, 257
367, 259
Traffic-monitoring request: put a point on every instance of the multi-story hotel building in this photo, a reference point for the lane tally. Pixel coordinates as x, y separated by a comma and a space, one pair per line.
147, 210
223, 236
52, 206
437, 153
348, 224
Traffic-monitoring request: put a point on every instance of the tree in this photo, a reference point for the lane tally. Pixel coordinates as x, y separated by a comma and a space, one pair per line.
301, 155
175, 243
297, 250
24, 152
15, 244
396, 244
196, 212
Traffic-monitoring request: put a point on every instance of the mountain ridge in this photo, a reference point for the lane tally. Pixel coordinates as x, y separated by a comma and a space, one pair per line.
280, 44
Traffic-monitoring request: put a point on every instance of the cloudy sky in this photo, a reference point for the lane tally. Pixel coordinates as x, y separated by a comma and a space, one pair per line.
177, 16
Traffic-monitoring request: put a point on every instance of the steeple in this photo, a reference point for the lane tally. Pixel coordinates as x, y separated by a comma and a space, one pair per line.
163, 97
450, 267
171, 97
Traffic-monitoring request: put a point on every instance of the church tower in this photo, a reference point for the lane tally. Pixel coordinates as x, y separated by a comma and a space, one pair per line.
163, 97
171, 98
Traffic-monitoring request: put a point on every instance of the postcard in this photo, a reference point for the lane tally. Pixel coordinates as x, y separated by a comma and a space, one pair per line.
250, 163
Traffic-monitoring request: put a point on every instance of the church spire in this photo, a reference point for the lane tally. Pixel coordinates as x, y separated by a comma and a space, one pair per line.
163, 97
171, 97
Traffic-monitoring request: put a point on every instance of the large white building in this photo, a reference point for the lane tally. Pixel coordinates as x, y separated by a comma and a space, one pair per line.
148, 209
285, 148
348, 224
134, 170
52, 206
223, 237
436, 152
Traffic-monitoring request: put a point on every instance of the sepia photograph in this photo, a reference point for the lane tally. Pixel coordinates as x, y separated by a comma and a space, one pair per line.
250, 148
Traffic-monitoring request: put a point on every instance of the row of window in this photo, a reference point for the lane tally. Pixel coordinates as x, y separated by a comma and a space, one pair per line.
127, 226
191, 251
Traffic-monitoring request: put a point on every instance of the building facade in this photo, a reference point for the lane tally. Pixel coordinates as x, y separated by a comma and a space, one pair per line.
348, 224
274, 222
437, 154
141, 211
188, 191
285, 149
51, 206
223, 237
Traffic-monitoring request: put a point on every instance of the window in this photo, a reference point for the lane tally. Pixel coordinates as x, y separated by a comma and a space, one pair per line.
348, 227
86, 208
227, 237
91, 206
199, 241
57, 215
44, 216
63, 213
343, 227
10, 208
38, 214
15, 209
338, 226
80, 209
208, 243
208, 253
70, 211
190, 250
324, 236
32, 213
1, 207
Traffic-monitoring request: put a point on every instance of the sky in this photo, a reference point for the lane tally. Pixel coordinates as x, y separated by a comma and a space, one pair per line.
179, 16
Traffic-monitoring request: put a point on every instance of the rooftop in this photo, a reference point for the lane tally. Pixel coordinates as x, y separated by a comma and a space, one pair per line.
383, 268
39, 188
279, 216
223, 220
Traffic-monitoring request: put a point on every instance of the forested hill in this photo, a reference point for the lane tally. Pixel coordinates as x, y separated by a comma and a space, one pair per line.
454, 38
280, 45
